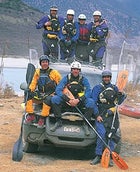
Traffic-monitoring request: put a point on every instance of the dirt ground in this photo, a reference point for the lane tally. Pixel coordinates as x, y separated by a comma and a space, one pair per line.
59, 160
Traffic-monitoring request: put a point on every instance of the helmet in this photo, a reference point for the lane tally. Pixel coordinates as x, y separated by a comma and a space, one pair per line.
97, 13
76, 65
54, 8
43, 57
82, 17
70, 12
106, 73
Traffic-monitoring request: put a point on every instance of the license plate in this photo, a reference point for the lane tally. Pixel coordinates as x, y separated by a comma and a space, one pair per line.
72, 129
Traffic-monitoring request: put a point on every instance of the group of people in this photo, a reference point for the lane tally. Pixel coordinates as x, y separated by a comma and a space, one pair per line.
76, 39
100, 102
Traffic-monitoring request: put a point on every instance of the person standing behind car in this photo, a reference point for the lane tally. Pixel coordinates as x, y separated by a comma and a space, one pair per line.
52, 24
105, 96
98, 34
82, 43
41, 90
69, 36
79, 86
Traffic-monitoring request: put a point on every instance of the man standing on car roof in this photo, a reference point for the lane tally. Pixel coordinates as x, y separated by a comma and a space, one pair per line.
52, 25
79, 86
98, 35
81, 52
69, 36
106, 96
41, 90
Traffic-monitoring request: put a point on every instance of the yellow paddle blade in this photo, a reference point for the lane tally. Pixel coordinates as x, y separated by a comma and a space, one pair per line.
122, 79
105, 158
23, 106
119, 161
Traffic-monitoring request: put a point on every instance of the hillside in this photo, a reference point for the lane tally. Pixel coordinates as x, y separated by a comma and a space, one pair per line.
17, 31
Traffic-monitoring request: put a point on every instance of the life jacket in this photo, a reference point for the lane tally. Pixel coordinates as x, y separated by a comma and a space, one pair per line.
108, 95
45, 84
94, 33
69, 29
75, 85
55, 24
84, 34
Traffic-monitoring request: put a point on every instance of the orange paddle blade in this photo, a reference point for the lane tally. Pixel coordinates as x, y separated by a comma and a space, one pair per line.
119, 161
67, 92
105, 158
122, 79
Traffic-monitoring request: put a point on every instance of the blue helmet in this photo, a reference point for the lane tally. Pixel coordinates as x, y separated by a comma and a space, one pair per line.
44, 57
106, 73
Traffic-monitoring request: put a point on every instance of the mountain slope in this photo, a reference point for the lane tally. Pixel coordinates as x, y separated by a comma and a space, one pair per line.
17, 31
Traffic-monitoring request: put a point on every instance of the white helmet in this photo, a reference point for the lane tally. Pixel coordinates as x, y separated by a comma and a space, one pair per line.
70, 12
82, 16
76, 65
97, 13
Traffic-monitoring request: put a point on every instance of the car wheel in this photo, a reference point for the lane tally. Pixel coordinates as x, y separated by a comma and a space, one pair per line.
30, 148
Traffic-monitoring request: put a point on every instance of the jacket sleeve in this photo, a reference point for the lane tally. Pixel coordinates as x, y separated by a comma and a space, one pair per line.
76, 36
60, 86
33, 84
55, 76
41, 22
87, 88
95, 94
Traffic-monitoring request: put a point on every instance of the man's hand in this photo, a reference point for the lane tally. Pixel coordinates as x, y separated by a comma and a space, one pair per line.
99, 119
73, 102
48, 23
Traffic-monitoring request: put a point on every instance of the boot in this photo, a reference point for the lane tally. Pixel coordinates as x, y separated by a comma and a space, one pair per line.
56, 125
96, 160
86, 128
30, 118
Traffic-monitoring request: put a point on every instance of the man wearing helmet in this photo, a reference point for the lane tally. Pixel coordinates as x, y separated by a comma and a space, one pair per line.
98, 34
83, 40
52, 25
41, 90
80, 88
106, 96
69, 36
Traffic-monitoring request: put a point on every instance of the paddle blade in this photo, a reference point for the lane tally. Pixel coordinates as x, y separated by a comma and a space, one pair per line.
17, 153
30, 73
119, 161
122, 79
105, 158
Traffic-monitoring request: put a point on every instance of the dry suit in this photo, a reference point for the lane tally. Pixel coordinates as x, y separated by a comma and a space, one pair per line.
51, 34
80, 88
105, 97
69, 35
42, 88
97, 44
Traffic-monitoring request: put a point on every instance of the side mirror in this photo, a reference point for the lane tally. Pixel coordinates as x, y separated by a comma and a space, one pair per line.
23, 86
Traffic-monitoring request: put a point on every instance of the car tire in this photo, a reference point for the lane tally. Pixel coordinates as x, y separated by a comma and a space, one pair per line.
30, 148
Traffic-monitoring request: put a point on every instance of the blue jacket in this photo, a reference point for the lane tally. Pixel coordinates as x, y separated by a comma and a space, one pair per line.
73, 38
99, 32
95, 96
64, 82
44, 19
